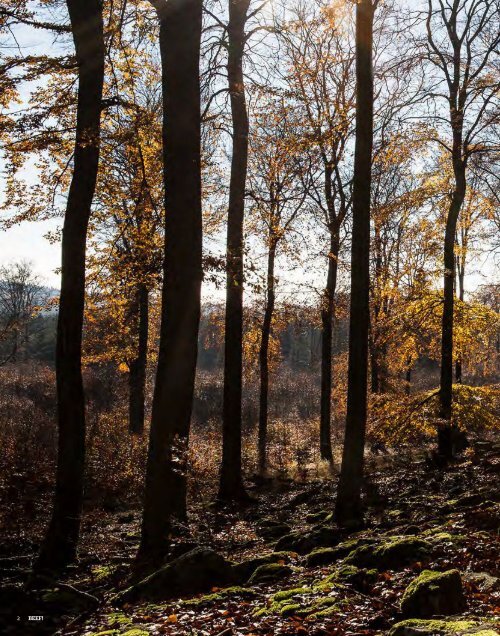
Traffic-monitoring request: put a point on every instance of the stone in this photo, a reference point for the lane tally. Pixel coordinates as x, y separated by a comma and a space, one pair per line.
196, 571
244, 570
392, 553
416, 627
269, 529
434, 594
483, 581
304, 542
68, 597
269, 573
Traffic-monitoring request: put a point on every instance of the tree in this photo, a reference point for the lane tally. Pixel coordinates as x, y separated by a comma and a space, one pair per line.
21, 299
231, 479
348, 505
165, 496
60, 544
275, 188
462, 37
316, 43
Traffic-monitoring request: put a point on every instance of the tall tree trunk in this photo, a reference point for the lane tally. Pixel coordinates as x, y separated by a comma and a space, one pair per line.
446, 429
166, 479
327, 317
264, 359
60, 544
137, 373
461, 296
348, 505
231, 479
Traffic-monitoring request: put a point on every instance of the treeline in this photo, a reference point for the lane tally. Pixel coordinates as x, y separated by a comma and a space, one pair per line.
338, 151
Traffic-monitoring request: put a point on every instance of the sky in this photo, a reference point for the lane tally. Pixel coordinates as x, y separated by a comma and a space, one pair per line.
28, 241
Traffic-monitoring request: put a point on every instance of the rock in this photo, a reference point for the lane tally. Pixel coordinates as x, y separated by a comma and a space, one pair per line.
68, 597
361, 579
319, 517
391, 553
483, 581
415, 627
304, 542
196, 571
434, 593
269, 573
321, 556
470, 500
244, 570
269, 529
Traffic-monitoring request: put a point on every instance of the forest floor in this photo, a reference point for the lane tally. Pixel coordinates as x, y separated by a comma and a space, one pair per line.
419, 517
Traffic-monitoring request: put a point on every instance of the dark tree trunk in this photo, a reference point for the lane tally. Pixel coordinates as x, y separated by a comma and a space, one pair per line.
446, 430
137, 373
374, 367
264, 359
165, 496
461, 295
231, 479
327, 318
60, 544
348, 505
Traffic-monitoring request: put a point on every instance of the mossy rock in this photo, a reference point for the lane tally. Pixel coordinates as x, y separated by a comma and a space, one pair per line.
192, 573
220, 595
415, 627
300, 601
360, 579
434, 593
321, 556
392, 553
269, 573
244, 570
483, 581
68, 597
305, 542
270, 529
319, 517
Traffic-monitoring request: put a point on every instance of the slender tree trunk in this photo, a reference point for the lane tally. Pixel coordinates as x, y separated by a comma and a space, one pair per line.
137, 374
446, 430
264, 359
327, 317
60, 544
231, 479
348, 505
374, 367
165, 496
461, 296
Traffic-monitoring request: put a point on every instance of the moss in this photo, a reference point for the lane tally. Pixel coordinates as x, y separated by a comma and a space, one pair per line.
290, 609
101, 572
429, 627
434, 593
284, 595
321, 556
244, 570
393, 552
109, 632
118, 618
219, 596
135, 632
318, 517
446, 537
270, 572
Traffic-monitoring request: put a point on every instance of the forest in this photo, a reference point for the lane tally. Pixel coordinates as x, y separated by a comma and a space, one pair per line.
259, 393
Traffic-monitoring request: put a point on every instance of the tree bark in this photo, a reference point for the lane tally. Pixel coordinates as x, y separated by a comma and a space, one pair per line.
327, 318
461, 296
446, 429
231, 479
264, 359
60, 545
348, 505
166, 479
137, 372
